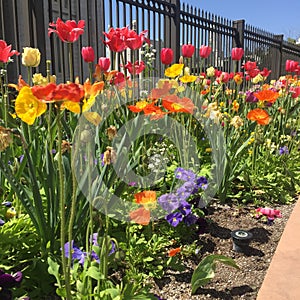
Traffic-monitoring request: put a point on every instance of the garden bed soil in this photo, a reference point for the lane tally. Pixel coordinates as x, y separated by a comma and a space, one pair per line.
228, 283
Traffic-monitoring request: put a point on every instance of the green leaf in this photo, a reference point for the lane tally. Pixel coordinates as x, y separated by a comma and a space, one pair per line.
205, 271
94, 273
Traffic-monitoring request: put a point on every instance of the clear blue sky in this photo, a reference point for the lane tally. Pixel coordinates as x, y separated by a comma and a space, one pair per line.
278, 17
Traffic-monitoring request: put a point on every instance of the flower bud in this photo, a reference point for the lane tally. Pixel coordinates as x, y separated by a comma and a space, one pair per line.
104, 63
31, 57
210, 72
88, 54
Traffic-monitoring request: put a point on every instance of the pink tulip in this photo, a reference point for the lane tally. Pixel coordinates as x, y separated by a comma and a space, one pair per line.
6, 52
237, 53
166, 56
187, 50
205, 51
88, 54
291, 66
104, 63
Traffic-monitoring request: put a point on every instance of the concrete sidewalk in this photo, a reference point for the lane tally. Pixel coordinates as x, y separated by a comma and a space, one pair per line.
282, 281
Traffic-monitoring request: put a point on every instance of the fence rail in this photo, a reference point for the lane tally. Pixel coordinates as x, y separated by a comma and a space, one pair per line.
170, 23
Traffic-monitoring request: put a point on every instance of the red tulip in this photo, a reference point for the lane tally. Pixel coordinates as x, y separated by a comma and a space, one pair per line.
237, 53
291, 65
104, 64
116, 39
118, 78
6, 52
88, 54
69, 31
187, 50
135, 69
205, 51
135, 41
166, 56
250, 65
265, 72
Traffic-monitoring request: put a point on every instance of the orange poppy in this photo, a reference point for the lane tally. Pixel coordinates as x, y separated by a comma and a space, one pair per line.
259, 115
162, 91
175, 104
174, 251
139, 106
146, 198
266, 95
140, 216
154, 111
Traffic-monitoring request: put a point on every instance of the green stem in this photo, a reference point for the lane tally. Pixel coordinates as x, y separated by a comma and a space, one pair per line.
66, 271
91, 72
29, 75
70, 48
4, 92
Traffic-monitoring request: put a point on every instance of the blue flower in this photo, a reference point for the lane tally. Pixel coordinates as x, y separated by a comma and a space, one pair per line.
77, 254
174, 218
185, 208
186, 190
202, 182
168, 202
190, 219
283, 150
185, 175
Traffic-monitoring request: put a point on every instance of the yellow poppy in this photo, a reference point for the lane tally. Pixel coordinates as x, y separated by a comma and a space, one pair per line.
188, 78
28, 107
174, 71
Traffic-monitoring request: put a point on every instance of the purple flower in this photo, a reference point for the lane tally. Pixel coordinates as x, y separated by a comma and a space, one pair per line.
174, 218
250, 97
186, 190
168, 202
21, 158
7, 204
77, 254
95, 257
283, 150
2, 222
53, 151
94, 239
202, 182
190, 219
8, 281
185, 175
185, 208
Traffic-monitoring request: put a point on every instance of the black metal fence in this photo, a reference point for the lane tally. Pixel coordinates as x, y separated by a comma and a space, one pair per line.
24, 23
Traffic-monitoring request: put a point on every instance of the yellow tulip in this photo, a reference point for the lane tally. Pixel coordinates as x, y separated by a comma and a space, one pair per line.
31, 57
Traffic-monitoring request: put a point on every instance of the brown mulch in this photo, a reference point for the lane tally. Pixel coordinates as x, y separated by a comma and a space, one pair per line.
229, 283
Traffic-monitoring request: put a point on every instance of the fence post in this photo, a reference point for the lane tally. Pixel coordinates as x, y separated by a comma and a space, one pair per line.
39, 14
276, 62
238, 40
173, 29
9, 35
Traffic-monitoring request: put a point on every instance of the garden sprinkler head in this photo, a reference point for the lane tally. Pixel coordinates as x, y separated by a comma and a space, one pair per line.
241, 239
